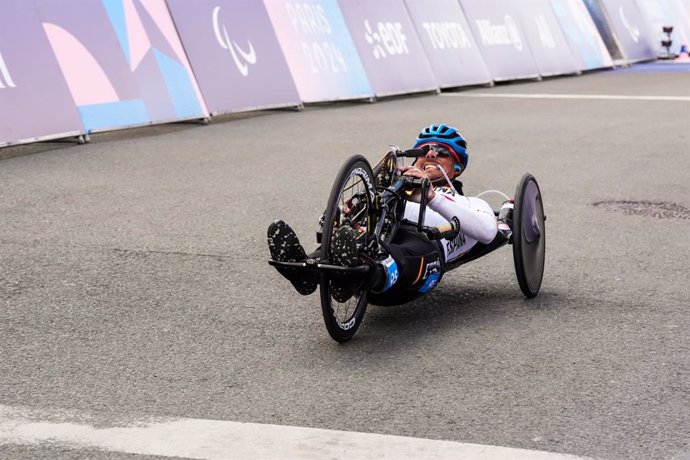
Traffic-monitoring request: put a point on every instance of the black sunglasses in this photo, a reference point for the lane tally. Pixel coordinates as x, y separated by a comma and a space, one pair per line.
440, 150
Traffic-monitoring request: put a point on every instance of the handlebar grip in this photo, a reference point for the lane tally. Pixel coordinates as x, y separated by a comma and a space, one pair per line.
411, 153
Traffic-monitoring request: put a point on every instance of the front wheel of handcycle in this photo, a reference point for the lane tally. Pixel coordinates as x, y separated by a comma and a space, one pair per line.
349, 204
529, 236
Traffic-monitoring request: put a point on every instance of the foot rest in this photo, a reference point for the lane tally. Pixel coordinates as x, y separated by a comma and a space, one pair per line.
316, 265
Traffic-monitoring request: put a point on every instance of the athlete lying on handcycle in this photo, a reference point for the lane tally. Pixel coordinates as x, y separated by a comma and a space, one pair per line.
389, 235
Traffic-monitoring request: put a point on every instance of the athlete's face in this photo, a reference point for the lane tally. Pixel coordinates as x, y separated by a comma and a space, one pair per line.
437, 156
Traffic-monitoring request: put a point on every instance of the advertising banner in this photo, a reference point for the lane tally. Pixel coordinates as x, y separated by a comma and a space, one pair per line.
122, 60
549, 47
660, 13
682, 7
448, 42
631, 29
585, 42
504, 46
317, 45
35, 102
598, 15
388, 45
235, 54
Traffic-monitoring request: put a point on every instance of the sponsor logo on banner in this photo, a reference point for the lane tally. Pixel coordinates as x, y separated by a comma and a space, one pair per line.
5, 77
447, 35
322, 54
243, 59
500, 34
387, 38
547, 40
633, 30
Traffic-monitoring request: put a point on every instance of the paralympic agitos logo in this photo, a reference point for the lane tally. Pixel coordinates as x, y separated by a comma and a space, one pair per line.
243, 59
5, 77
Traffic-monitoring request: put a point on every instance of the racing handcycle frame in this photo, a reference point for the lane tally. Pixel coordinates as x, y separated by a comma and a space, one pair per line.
372, 202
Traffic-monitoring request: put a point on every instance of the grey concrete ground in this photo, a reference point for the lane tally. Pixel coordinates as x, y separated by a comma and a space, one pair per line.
133, 277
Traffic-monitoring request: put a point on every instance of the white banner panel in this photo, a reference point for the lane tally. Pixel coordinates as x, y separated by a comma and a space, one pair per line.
549, 47
448, 42
504, 46
388, 45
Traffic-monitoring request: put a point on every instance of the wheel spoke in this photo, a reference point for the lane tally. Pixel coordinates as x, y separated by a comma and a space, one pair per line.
349, 205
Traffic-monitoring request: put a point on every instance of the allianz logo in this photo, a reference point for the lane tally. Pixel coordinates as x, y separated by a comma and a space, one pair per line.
241, 57
500, 34
5, 77
446, 35
387, 39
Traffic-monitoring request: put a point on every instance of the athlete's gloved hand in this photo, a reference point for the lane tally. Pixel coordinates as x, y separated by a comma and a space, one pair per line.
413, 171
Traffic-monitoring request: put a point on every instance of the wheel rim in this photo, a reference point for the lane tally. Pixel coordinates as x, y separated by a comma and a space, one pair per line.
353, 210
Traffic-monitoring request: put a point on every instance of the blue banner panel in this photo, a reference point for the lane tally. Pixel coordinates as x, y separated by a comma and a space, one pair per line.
448, 42
388, 45
585, 42
35, 102
504, 46
631, 29
122, 60
549, 47
319, 50
235, 54
598, 14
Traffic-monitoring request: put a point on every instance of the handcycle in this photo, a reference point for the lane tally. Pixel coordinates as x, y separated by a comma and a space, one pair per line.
372, 202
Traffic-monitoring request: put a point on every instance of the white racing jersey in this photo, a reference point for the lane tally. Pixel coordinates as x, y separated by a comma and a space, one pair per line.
477, 220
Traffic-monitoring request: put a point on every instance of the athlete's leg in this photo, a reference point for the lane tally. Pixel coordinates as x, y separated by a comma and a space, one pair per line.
414, 267
285, 247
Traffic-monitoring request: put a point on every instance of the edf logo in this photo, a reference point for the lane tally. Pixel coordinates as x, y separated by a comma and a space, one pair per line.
387, 38
5, 77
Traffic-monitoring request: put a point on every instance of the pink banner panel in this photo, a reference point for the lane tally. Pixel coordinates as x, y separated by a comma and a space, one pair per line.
388, 45
317, 45
122, 60
235, 54
35, 102
448, 42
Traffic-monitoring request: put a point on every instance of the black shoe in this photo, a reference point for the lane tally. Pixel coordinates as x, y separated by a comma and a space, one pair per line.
344, 253
285, 247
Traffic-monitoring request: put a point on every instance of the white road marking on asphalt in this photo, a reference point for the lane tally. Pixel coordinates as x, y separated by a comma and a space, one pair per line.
608, 97
215, 439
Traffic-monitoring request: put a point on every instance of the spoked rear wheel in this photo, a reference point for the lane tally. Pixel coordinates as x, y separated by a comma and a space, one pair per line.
350, 204
529, 236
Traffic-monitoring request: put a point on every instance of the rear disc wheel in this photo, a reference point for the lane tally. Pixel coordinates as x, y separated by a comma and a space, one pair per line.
529, 236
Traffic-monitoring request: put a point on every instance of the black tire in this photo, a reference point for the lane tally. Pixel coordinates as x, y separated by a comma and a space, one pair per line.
529, 236
355, 178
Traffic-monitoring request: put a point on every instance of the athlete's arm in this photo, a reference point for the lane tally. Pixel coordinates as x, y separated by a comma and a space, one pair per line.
477, 219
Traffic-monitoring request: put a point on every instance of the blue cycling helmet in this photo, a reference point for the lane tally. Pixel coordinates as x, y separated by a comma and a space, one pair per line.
447, 135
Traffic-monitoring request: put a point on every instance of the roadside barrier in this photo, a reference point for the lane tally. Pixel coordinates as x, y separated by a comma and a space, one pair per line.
114, 64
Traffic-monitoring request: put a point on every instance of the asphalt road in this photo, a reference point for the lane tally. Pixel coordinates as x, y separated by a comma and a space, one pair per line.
134, 282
